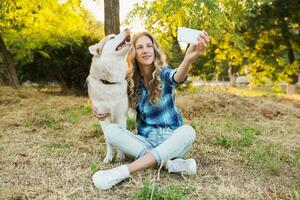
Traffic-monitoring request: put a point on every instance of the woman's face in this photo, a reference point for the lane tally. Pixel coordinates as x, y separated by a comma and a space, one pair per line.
144, 51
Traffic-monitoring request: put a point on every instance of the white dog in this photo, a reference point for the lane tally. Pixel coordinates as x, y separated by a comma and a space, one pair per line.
107, 86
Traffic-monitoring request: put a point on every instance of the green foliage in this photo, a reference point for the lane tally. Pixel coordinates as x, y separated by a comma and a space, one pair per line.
68, 65
258, 38
272, 32
94, 167
131, 124
40, 23
219, 18
49, 39
86, 110
270, 155
170, 192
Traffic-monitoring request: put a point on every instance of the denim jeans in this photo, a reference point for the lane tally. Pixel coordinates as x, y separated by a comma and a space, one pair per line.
163, 143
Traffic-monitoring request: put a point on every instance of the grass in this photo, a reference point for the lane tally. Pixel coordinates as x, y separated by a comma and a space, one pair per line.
57, 145
131, 124
150, 191
94, 167
2, 147
247, 147
73, 115
297, 158
48, 117
295, 193
43, 118
271, 156
246, 136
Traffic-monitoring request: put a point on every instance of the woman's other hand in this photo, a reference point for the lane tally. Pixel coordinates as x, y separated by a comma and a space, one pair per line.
99, 116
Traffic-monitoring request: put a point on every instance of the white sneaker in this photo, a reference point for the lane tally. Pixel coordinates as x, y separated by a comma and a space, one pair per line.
105, 179
180, 165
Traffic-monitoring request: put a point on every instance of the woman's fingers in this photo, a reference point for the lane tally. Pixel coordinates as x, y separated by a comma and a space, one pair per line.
203, 41
201, 45
99, 116
102, 116
203, 36
94, 111
195, 49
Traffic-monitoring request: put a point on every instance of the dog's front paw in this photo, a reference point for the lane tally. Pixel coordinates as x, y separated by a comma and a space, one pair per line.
107, 159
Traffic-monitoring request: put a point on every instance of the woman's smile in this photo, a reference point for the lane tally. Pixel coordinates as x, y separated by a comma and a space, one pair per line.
146, 57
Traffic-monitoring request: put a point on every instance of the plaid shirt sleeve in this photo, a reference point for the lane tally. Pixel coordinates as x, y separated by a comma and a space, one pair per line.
162, 114
167, 75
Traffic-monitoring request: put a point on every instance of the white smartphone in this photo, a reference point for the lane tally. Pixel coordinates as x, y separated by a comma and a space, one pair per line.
188, 35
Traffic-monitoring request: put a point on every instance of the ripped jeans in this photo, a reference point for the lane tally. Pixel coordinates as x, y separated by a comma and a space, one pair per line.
163, 143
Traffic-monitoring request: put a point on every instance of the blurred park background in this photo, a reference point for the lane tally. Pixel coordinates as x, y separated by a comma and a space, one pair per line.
242, 97
255, 42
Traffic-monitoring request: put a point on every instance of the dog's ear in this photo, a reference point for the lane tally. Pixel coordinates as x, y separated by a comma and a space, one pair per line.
94, 49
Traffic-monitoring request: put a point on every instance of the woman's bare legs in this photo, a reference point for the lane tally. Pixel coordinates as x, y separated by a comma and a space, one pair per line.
105, 179
144, 162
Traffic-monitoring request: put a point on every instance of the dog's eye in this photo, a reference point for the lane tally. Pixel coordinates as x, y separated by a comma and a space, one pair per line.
111, 38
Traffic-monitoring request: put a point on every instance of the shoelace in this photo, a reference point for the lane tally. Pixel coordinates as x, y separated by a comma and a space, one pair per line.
158, 176
158, 173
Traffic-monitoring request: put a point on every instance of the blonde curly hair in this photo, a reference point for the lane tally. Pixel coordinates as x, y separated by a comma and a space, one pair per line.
133, 73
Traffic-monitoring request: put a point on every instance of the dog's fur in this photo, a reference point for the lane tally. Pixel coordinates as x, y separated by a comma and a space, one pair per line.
107, 86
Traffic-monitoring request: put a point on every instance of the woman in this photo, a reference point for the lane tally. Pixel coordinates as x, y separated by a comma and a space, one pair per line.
162, 138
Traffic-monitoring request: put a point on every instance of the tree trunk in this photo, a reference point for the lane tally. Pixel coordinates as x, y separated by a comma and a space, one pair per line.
217, 77
10, 65
291, 86
232, 76
111, 17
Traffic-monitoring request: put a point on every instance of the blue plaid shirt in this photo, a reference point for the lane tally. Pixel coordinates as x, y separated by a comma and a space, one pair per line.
162, 114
